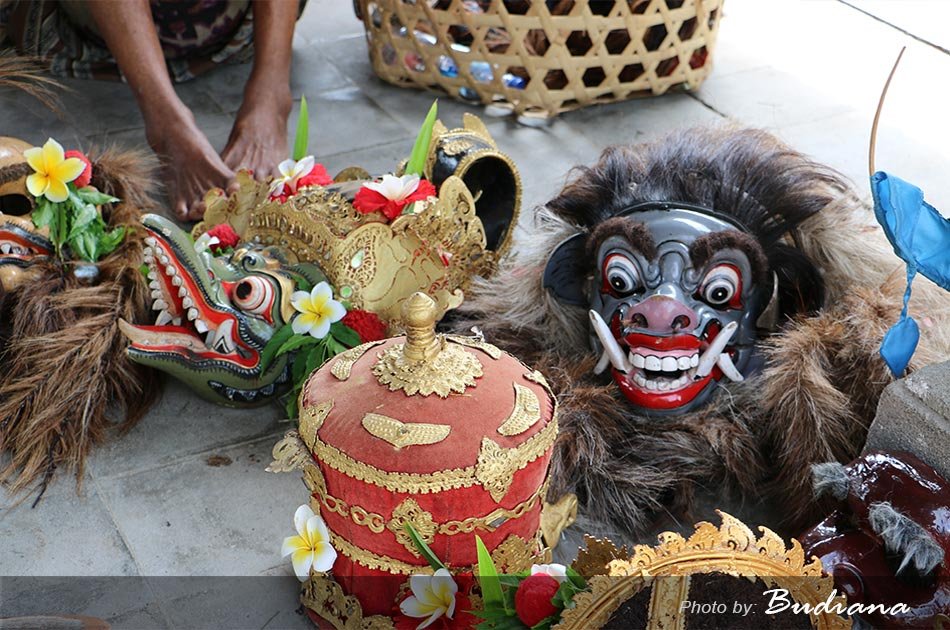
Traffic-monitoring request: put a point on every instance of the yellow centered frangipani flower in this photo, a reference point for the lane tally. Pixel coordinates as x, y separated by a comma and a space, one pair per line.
311, 547
52, 171
317, 310
432, 596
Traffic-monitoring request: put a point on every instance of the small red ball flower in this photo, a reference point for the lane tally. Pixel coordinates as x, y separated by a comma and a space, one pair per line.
367, 325
226, 236
391, 195
318, 176
86, 176
533, 599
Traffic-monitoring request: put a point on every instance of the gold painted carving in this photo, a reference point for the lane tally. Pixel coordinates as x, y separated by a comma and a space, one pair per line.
515, 554
410, 512
556, 517
344, 361
526, 412
311, 419
375, 561
290, 453
537, 377
497, 465
402, 434
325, 597
509, 462
426, 363
478, 343
731, 549
665, 599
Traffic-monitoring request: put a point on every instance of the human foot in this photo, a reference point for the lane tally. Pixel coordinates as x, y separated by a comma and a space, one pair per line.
191, 165
258, 140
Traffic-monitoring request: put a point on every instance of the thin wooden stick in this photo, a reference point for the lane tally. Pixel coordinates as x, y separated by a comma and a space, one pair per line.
877, 114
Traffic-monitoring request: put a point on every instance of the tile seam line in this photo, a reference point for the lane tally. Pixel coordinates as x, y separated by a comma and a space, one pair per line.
197, 454
895, 27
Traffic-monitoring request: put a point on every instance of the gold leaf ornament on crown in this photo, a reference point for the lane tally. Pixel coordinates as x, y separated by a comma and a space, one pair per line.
376, 265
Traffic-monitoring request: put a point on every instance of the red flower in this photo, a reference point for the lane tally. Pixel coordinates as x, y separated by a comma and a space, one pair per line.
226, 236
86, 176
317, 176
533, 599
392, 195
368, 325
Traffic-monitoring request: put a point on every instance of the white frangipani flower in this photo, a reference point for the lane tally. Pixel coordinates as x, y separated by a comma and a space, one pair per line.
317, 311
311, 547
290, 172
432, 596
204, 242
395, 188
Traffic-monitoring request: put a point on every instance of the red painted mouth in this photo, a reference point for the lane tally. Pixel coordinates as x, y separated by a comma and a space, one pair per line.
663, 375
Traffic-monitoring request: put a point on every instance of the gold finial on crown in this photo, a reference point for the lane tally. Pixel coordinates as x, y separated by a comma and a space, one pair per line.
426, 363
419, 313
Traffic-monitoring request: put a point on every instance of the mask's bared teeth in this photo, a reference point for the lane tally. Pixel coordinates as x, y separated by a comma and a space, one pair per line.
683, 363
653, 363
152, 275
147, 251
200, 326
156, 294
187, 302
192, 314
176, 281
668, 364
159, 305
638, 360
154, 285
182, 291
163, 259
150, 240
209, 339
170, 270
163, 319
177, 321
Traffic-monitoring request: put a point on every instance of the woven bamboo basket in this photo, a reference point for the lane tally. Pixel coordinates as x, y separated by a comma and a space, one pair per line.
539, 58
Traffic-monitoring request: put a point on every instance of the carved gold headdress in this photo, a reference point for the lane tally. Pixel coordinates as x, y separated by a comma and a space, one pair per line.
377, 265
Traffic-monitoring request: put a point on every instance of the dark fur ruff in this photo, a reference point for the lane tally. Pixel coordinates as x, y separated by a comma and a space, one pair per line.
64, 361
756, 439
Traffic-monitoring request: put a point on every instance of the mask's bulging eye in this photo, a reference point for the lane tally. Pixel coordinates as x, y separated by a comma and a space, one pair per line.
253, 295
721, 287
620, 275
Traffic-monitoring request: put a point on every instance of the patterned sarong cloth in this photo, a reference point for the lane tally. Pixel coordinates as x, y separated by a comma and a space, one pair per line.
196, 35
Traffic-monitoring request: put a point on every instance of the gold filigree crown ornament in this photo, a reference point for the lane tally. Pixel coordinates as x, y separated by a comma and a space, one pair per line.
436, 245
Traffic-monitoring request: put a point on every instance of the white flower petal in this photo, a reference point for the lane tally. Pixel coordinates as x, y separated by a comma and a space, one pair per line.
321, 328
299, 300
419, 585
300, 325
291, 544
317, 529
303, 167
432, 619
302, 561
324, 556
323, 291
286, 168
302, 517
408, 185
412, 607
335, 310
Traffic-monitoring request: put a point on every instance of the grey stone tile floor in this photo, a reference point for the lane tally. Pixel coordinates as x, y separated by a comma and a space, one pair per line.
152, 506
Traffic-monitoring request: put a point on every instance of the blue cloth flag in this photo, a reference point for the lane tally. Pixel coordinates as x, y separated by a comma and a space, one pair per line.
921, 238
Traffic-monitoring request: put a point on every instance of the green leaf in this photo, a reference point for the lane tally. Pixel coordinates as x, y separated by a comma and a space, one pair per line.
84, 214
492, 594
576, 579
269, 353
109, 241
424, 549
291, 406
43, 213
301, 139
334, 346
92, 246
90, 194
299, 370
316, 358
420, 150
78, 246
345, 335
297, 341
